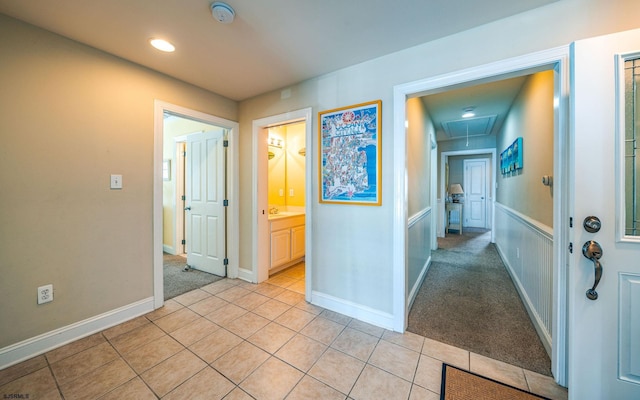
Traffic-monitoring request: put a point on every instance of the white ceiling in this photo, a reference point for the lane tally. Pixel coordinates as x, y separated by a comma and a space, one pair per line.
271, 44
489, 100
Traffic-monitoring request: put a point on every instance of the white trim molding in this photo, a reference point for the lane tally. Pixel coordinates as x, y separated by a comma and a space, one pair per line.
233, 233
48, 341
260, 244
556, 59
353, 310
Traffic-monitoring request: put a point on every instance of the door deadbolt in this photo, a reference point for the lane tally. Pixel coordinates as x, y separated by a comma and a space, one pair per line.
592, 224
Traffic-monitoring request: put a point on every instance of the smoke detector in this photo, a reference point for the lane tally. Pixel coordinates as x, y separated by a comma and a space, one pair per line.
222, 12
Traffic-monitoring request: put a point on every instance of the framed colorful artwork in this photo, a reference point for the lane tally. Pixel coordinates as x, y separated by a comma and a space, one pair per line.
511, 158
351, 154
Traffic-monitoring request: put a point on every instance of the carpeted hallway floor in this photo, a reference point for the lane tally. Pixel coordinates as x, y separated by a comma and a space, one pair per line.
468, 300
177, 281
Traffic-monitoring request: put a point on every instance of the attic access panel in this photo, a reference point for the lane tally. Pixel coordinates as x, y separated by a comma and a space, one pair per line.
479, 126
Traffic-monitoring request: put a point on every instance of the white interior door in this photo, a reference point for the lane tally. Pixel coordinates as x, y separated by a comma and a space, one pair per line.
604, 334
475, 193
205, 217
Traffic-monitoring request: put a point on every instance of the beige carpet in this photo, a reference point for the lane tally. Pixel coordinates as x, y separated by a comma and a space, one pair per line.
469, 301
458, 384
178, 281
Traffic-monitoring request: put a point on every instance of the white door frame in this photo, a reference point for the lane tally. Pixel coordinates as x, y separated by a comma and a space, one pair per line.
434, 191
178, 234
444, 158
260, 248
556, 59
232, 190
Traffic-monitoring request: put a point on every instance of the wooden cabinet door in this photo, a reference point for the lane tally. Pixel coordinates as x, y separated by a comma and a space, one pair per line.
280, 247
297, 242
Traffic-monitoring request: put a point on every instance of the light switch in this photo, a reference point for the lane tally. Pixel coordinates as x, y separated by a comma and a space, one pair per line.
116, 181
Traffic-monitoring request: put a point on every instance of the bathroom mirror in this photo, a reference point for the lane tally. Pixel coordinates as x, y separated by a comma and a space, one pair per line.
286, 173
630, 121
277, 175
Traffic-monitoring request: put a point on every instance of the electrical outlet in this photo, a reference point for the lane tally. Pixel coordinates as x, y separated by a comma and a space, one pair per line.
45, 294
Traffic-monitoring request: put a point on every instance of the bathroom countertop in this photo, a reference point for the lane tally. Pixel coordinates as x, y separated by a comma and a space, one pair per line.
284, 214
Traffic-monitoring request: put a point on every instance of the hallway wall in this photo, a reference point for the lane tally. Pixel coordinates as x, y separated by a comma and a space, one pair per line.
70, 116
531, 117
524, 207
420, 131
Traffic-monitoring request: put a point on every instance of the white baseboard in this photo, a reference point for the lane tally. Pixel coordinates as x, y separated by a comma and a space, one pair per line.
168, 249
48, 341
353, 310
245, 275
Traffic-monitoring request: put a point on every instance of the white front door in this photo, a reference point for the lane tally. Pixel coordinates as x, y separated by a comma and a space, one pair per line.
205, 217
604, 334
475, 193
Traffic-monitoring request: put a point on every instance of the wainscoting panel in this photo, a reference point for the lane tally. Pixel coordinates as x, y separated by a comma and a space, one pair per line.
629, 349
526, 247
419, 252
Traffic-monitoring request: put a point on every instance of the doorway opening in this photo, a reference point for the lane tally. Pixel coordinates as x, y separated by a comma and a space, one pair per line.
194, 217
514, 295
453, 169
282, 197
207, 137
555, 60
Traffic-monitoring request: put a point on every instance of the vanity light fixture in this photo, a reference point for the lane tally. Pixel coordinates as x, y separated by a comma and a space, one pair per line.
275, 142
162, 45
468, 112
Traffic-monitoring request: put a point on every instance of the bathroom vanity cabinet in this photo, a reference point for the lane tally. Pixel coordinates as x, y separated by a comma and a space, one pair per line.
287, 241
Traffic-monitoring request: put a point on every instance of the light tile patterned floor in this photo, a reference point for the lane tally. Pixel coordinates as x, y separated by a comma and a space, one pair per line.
234, 340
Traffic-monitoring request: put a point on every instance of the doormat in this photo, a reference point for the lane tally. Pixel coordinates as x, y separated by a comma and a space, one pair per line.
458, 384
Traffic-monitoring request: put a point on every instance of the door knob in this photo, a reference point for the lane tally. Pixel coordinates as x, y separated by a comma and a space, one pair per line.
593, 251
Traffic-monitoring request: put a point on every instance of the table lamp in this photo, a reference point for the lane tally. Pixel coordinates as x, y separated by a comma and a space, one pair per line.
456, 191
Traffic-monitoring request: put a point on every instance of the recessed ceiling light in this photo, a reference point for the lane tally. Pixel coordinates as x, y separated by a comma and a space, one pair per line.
468, 112
162, 45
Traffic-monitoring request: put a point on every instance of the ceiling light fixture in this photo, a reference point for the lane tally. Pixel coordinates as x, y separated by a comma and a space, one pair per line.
222, 12
468, 112
162, 45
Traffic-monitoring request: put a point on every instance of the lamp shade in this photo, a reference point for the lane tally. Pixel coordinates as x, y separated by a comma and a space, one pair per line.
456, 188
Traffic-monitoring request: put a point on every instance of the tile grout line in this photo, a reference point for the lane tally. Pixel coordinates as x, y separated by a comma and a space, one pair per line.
55, 380
138, 375
323, 313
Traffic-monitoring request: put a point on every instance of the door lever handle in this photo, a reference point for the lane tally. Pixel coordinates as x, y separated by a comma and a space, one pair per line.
593, 251
187, 208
